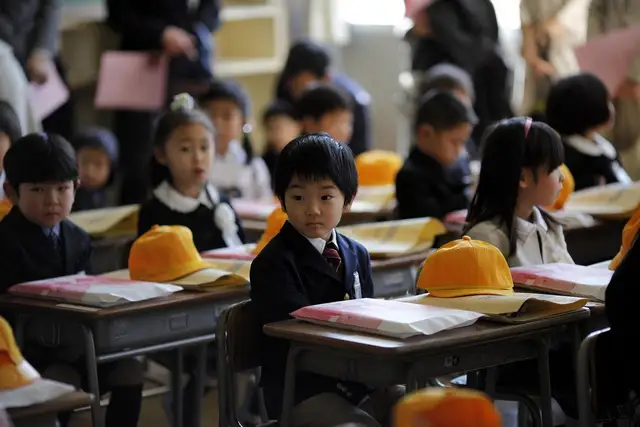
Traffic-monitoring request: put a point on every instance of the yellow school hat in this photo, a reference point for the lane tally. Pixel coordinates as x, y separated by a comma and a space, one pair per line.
15, 371
466, 267
275, 221
568, 185
446, 407
5, 207
629, 233
378, 167
164, 254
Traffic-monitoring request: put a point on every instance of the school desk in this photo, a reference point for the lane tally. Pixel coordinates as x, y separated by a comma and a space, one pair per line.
379, 361
184, 319
46, 414
396, 277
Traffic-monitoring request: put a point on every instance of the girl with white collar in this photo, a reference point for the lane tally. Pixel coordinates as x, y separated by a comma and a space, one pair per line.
181, 167
237, 172
520, 172
579, 109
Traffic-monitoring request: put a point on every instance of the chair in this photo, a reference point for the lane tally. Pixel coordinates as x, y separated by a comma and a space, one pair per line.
238, 333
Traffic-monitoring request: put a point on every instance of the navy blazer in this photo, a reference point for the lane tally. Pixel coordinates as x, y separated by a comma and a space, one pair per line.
27, 255
290, 273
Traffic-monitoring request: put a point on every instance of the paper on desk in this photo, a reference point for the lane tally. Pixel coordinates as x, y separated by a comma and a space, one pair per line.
456, 217
607, 201
254, 209
610, 56
39, 391
132, 81
516, 308
390, 239
374, 198
108, 222
386, 317
95, 291
48, 97
244, 252
564, 279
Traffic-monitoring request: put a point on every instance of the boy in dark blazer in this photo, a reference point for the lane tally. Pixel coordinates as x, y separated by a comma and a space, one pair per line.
38, 242
309, 263
430, 182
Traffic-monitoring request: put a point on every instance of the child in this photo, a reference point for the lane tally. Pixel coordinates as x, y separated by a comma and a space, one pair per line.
579, 109
308, 263
97, 152
427, 184
449, 77
237, 173
10, 131
39, 242
183, 194
520, 172
324, 108
281, 127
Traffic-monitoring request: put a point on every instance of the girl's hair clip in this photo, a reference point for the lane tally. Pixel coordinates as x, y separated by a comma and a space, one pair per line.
182, 102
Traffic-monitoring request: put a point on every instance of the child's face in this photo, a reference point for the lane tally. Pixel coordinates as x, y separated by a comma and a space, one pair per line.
5, 143
44, 204
281, 130
94, 167
188, 153
227, 119
338, 124
542, 190
314, 207
445, 145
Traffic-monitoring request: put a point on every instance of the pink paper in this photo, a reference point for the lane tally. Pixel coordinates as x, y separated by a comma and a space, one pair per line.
413, 7
132, 81
253, 209
48, 97
456, 217
610, 56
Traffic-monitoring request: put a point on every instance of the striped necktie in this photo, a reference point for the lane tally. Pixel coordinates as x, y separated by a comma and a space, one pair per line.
332, 256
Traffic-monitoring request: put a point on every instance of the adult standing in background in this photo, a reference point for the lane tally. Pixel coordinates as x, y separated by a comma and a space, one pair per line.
551, 30
181, 29
465, 33
309, 63
28, 44
606, 16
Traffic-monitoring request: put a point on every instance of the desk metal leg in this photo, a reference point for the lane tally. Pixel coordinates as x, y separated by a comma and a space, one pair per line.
92, 376
176, 388
288, 396
544, 372
201, 375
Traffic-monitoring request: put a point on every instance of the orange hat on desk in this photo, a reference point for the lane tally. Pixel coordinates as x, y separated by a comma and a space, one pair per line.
629, 233
275, 221
5, 207
15, 371
165, 253
446, 407
466, 267
378, 167
568, 185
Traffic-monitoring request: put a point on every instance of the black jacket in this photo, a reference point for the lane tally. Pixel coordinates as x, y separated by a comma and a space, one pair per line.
426, 188
288, 274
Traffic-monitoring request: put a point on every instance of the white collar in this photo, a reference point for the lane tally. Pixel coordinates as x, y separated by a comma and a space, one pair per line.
319, 243
537, 221
599, 146
235, 153
176, 201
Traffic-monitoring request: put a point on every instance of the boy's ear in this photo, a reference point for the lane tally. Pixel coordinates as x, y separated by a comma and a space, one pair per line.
160, 155
526, 177
347, 206
10, 192
425, 131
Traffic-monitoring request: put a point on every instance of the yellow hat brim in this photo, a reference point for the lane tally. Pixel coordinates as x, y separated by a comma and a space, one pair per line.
453, 293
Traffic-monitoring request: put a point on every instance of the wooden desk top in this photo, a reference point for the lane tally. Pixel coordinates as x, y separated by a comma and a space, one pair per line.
182, 298
68, 402
410, 260
480, 332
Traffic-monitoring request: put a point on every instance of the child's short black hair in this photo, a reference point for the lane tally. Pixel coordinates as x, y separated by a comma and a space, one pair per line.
577, 104
306, 55
319, 100
443, 111
183, 111
39, 158
317, 156
447, 77
9, 122
278, 108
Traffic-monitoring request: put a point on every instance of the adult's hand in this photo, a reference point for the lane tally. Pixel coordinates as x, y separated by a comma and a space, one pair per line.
39, 65
176, 41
